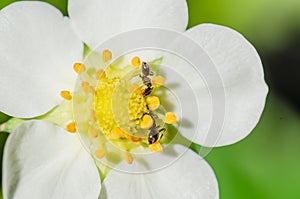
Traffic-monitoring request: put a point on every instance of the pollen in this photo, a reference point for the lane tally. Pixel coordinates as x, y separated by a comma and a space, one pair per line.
100, 153
106, 55
156, 147
118, 111
71, 127
158, 81
128, 158
103, 104
170, 118
66, 95
136, 62
79, 68
153, 102
137, 106
147, 122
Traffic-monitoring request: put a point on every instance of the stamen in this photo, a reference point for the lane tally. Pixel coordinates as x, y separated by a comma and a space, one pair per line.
135, 139
100, 74
106, 55
153, 102
100, 153
155, 147
136, 62
93, 132
92, 90
116, 133
170, 118
93, 116
128, 158
66, 95
85, 87
158, 81
79, 68
71, 127
147, 122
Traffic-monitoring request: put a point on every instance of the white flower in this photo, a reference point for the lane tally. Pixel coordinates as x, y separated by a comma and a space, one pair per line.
37, 47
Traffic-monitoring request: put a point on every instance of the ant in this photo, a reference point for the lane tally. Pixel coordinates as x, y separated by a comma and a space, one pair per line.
146, 72
155, 133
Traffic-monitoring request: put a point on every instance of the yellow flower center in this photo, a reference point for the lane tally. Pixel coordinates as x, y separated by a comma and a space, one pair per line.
117, 109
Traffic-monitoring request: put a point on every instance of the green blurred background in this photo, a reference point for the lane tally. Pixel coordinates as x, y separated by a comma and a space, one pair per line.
266, 165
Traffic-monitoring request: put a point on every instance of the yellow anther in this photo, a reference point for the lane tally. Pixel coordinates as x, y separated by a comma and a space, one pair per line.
170, 118
93, 116
79, 68
92, 90
71, 127
153, 102
100, 74
155, 147
100, 153
93, 132
85, 86
135, 139
136, 62
116, 133
66, 95
158, 81
147, 122
128, 158
106, 55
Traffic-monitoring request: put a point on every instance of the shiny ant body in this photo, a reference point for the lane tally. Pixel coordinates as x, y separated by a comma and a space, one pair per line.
155, 133
146, 72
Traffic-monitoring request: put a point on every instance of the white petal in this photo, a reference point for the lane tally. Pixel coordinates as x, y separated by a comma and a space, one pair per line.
97, 20
43, 161
189, 177
241, 70
37, 52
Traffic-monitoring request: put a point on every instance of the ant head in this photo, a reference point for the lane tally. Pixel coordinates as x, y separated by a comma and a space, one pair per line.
145, 69
144, 65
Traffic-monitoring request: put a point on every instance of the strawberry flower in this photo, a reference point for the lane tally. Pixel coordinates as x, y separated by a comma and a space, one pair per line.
43, 157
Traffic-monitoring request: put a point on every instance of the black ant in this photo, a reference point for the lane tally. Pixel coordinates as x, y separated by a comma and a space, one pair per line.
155, 133
146, 72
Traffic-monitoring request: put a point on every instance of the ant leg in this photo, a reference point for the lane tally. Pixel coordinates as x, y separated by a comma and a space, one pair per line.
155, 116
145, 114
163, 130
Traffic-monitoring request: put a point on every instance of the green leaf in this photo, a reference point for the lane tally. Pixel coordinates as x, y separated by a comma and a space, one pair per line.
266, 162
4, 118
